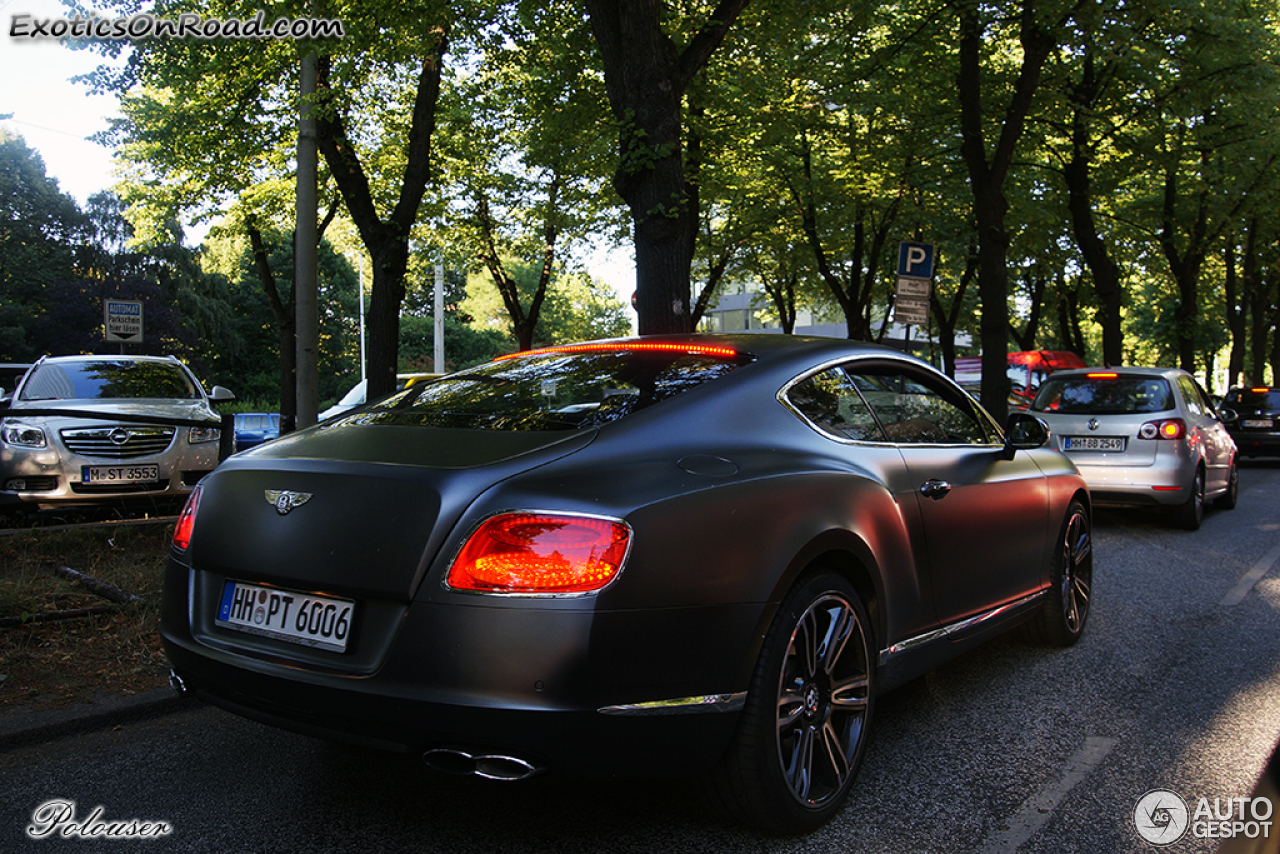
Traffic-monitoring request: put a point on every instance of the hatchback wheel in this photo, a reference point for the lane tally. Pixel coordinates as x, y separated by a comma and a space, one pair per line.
803, 731
1190, 513
1229, 499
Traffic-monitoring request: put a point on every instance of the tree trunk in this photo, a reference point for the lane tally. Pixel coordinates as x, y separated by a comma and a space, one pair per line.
286, 323
386, 240
646, 78
987, 178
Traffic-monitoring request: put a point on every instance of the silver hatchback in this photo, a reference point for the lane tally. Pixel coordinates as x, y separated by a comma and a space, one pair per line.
88, 430
1142, 436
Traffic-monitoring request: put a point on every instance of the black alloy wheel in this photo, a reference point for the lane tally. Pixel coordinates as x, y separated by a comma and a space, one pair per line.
804, 729
1066, 610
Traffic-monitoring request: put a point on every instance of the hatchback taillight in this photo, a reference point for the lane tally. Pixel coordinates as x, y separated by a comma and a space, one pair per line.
1169, 428
187, 521
540, 553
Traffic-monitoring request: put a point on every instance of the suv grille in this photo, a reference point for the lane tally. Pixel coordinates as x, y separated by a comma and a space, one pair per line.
118, 443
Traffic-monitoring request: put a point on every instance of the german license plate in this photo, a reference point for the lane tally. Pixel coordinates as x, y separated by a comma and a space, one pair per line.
303, 618
1094, 443
1265, 423
119, 474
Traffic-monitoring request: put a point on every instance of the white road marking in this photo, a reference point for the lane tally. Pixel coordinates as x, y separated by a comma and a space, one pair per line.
1244, 585
1038, 809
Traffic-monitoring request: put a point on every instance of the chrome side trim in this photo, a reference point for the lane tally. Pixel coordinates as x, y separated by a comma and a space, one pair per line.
958, 627
684, 706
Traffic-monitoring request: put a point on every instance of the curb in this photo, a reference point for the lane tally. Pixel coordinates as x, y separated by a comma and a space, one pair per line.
35, 727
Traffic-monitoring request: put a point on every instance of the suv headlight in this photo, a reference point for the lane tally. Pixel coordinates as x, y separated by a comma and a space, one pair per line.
22, 435
200, 435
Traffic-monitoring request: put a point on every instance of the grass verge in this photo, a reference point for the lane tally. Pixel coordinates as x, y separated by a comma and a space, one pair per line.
51, 664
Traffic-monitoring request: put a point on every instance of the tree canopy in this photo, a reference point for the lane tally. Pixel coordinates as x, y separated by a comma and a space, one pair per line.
1097, 175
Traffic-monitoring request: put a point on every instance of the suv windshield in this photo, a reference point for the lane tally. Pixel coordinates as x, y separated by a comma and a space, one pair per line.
1104, 395
109, 379
551, 390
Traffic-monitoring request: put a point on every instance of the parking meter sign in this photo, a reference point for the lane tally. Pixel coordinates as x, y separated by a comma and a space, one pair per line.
122, 320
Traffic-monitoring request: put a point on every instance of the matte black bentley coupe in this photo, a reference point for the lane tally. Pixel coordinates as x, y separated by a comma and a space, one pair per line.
699, 555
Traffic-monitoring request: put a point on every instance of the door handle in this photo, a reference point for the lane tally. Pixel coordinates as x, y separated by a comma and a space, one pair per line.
935, 489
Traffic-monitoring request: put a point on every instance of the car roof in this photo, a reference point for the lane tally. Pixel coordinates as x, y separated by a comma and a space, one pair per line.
765, 346
1123, 370
109, 358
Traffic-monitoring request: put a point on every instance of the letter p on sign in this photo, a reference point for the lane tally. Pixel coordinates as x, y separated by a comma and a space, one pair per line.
915, 260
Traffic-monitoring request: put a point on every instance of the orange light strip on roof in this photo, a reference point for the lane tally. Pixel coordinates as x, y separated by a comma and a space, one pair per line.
700, 349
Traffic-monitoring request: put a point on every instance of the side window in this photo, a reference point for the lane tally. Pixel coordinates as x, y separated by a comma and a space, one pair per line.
1191, 394
832, 404
914, 409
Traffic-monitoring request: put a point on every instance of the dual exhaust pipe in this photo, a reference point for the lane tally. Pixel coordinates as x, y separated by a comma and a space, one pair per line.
489, 766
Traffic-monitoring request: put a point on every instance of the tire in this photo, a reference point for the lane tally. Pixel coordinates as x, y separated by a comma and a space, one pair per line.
1190, 513
1229, 499
803, 730
1062, 619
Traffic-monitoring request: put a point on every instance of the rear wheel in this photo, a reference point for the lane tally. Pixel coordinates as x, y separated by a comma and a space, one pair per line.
1190, 513
1066, 608
803, 731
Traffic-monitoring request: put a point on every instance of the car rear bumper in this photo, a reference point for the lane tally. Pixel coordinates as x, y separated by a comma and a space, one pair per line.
582, 693
1163, 484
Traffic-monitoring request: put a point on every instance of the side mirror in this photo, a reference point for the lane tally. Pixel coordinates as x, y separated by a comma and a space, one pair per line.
1228, 415
221, 395
1024, 433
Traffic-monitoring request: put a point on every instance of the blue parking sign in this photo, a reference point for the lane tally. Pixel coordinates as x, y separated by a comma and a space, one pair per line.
915, 260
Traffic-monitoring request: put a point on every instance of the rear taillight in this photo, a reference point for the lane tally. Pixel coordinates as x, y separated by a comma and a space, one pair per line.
187, 521
541, 553
1169, 428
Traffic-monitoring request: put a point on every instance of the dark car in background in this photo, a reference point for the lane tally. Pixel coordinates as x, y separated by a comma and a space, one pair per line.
671, 556
1252, 416
90, 430
254, 428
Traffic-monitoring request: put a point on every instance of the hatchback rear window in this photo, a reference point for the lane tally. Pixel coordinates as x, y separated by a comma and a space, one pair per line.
552, 390
108, 380
1104, 395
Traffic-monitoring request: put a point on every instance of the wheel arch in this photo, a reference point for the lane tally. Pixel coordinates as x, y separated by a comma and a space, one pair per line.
849, 556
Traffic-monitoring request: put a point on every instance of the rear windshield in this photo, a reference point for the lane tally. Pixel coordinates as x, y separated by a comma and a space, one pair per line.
109, 380
551, 390
1263, 399
1106, 395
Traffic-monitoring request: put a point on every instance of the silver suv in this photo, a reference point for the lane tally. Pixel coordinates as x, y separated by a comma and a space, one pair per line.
88, 430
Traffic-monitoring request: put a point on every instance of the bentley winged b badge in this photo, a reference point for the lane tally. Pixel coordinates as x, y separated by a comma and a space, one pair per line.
284, 500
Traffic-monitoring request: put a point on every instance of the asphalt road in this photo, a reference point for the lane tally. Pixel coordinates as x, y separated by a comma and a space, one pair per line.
1176, 686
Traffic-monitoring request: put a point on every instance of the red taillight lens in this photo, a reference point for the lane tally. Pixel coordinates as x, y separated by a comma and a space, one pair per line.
1102, 376
187, 521
541, 553
1170, 428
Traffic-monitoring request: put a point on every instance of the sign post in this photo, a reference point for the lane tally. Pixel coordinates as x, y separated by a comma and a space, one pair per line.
915, 285
122, 320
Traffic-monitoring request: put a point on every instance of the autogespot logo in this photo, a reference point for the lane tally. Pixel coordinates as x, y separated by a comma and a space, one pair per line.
1161, 817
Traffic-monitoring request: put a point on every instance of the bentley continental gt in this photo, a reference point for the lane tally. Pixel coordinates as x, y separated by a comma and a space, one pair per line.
696, 556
